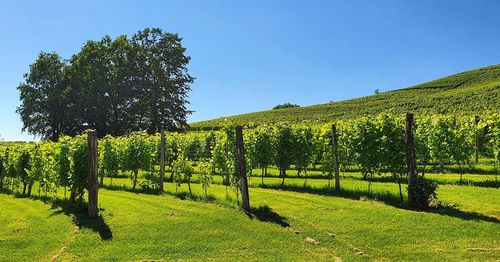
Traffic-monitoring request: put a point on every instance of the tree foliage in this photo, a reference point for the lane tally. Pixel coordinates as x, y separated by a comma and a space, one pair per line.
113, 86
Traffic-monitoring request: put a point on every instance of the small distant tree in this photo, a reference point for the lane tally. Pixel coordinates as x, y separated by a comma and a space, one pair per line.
285, 105
377, 91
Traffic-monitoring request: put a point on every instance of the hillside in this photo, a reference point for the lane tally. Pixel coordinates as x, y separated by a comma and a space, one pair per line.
469, 92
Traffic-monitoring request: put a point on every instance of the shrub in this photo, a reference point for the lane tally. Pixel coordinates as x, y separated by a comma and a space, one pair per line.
424, 192
285, 105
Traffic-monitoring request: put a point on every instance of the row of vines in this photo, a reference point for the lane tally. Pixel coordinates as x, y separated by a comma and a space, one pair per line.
373, 145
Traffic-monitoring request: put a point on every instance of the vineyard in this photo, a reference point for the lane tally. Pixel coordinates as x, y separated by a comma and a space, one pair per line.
285, 164
468, 93
372, 146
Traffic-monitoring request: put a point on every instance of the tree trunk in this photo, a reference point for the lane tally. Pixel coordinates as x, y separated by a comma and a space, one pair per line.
30, 186
283, 175
411, 163
461, 172
93, 189
425, 165
24, 188
72, 195
162, 161
263, 171
135, 179
369, 176
336, 157
476, 139
242, 169
101, 182
189, 187
400, 190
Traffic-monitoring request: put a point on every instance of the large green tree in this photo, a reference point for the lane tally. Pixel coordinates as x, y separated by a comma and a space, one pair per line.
160, 80
114, 86
100, 74
44, 98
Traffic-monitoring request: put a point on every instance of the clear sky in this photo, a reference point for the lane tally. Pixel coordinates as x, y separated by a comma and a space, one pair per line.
251, 55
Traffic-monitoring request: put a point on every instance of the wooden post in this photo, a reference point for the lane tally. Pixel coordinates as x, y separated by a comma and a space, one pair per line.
162, 161
476, 139
242, 169
411, 162
93, 183
336, 157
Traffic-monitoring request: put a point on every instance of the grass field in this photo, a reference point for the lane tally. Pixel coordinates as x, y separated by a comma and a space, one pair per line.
353, 226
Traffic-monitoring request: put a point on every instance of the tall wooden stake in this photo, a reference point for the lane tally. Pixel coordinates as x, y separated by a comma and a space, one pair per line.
411, 162
476, 138
336, 157
162, 160
242, 169
93, 183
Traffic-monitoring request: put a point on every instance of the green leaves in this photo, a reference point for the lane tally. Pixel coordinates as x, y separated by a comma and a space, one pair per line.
111, 85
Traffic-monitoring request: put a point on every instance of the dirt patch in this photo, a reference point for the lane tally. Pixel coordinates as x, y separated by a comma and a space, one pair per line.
312, 241
76, 230
480, 249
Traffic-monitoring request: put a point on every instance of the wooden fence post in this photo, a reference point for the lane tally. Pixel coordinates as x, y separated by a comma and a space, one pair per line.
476, 139
92, 179
242, 169
411, 162
162, 161
336, 157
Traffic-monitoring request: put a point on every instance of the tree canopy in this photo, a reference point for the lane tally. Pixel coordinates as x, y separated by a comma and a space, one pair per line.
115, 86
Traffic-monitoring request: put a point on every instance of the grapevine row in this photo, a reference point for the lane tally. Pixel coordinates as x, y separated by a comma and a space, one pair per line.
374, 144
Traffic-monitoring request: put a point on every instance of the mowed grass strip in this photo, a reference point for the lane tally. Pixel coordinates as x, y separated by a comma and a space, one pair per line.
141, 226
31, 230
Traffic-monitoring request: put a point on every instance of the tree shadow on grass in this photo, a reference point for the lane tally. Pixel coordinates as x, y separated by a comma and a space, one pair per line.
97, 225
355, 194
387, 198
266, 214
465, 215
78, 213
138, 190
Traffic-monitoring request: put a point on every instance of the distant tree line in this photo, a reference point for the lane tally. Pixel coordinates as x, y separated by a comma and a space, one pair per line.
285, 105
114, 86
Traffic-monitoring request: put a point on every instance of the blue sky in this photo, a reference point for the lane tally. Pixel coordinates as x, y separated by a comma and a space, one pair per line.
251, 55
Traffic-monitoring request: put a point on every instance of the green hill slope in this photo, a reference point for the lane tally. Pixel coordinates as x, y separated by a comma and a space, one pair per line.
470, 92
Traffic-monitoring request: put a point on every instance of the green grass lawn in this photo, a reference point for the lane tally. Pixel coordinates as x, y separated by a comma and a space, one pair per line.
351, 226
